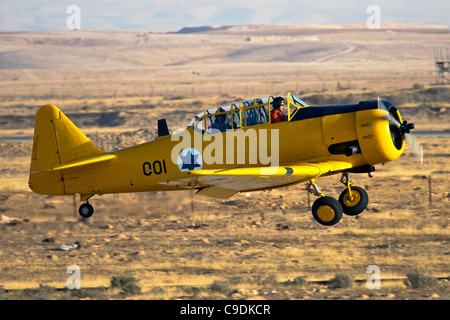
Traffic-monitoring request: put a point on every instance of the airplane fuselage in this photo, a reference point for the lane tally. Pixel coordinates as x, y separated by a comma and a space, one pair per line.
323, 134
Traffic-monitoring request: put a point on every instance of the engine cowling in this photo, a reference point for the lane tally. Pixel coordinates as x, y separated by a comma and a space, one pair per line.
381, 133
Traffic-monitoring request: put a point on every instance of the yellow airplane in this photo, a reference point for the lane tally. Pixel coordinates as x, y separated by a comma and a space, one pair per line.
241, 147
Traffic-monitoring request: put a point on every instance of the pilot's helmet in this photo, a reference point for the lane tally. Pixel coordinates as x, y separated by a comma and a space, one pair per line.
277, 102
221, 117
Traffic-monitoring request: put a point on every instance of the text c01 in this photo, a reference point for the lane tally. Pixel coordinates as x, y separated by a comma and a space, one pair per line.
156, 167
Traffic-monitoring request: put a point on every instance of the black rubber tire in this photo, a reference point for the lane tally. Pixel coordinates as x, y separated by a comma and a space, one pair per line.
86, 210
358, 207
327, 211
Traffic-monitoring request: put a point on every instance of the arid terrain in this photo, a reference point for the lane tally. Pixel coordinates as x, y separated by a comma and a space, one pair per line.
114, 85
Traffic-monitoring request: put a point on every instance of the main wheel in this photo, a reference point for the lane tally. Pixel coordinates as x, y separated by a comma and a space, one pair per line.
327, 211
356, 204
86, 210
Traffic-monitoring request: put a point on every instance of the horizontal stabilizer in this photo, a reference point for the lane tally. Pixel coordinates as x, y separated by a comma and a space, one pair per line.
82, 162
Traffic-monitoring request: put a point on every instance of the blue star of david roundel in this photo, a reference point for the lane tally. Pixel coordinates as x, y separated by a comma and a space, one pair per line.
190, 159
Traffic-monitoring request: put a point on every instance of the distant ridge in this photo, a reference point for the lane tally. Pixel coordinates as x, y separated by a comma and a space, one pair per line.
185, 30
306, 26
261, 27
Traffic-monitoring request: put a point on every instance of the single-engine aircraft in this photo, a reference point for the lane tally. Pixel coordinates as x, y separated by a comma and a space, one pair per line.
220, 161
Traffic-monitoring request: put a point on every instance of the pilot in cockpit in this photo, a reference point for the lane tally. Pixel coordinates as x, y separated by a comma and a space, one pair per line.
220, 123
277, 114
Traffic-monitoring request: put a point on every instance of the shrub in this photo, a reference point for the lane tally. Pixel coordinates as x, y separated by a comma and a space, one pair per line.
341, 280
270, 280
417, 279
191, 290
43, 292
157, 290
297, 282
220, 287
128, 285
96, 293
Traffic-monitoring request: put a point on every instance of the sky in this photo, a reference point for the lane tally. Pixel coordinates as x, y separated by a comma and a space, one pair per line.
172, 15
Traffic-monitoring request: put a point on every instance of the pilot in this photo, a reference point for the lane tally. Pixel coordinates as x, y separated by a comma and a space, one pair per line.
277, 115
220, 123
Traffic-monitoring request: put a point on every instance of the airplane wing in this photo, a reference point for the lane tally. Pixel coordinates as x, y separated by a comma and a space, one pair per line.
225, 183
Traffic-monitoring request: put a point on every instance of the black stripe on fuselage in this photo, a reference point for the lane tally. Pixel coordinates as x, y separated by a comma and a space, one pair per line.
320, 111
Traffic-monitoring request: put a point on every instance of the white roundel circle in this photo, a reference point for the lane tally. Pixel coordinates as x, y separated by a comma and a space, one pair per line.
190, 159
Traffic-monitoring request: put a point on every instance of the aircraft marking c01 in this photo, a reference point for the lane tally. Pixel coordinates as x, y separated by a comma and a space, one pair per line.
222, 160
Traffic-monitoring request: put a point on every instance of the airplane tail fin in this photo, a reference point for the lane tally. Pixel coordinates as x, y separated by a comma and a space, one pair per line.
57, 142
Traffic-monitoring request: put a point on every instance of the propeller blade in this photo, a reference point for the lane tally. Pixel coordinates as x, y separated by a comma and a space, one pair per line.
394, 121
413, 144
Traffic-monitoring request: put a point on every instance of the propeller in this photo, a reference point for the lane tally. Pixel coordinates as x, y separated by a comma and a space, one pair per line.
399, 130
414, 145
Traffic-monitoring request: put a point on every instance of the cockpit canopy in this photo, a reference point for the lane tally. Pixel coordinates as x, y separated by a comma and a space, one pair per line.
245, 113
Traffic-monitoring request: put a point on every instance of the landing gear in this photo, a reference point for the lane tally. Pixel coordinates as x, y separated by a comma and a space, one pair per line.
325, 210
86, 210
353, 200
328, 211
356, 203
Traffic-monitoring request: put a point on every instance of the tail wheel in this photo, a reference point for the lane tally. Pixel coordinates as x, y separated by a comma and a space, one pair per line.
355, 204
86, 210
327, 211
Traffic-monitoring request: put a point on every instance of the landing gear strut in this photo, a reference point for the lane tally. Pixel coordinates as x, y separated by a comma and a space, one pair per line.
86, 210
